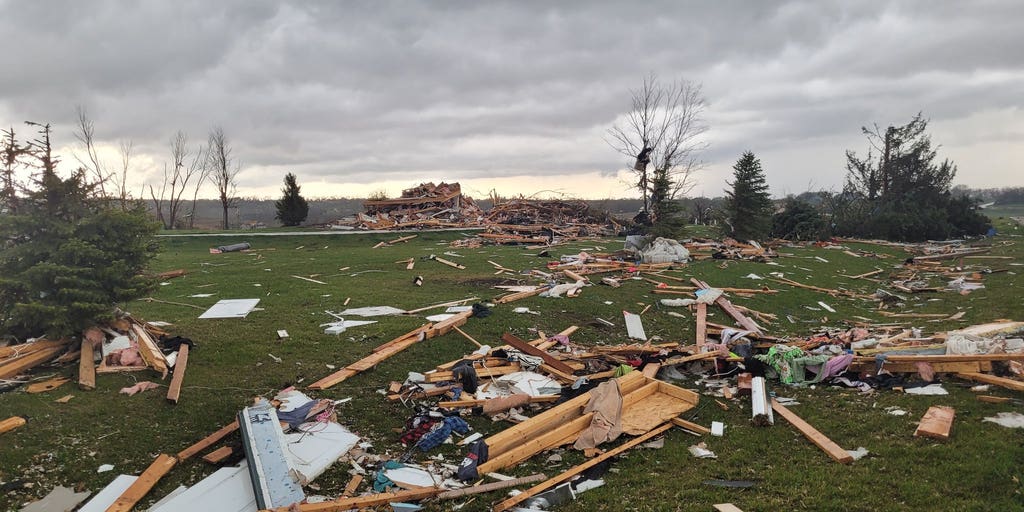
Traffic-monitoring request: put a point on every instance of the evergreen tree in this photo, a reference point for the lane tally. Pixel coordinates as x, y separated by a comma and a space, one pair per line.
799, 220
666, 212
292, 208
748, 206
899, 192
67, 255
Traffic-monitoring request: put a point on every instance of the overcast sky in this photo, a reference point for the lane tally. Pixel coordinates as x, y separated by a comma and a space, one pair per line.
357, 97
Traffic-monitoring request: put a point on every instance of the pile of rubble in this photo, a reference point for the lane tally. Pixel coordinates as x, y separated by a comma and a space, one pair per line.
424, 206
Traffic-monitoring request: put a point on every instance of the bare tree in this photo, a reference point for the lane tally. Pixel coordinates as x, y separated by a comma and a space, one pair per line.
94, 165
186, 165
11, 153
663, 128
223, 170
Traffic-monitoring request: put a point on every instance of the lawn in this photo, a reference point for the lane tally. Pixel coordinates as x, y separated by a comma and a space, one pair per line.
979, 468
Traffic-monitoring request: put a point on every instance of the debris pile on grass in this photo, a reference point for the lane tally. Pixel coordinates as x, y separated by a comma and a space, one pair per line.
423, 206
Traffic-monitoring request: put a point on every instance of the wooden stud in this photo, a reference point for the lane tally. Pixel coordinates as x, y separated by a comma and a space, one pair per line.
352, 486
174, 390
702, 323
831, 448
208, 441
46, 385
392, 347
19, 364
523, 346
726, 507
134, 493
693, 427
361, 502
493, 486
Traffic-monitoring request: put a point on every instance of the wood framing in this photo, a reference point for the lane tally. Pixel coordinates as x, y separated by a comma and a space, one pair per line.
208, 441
393, 347
523, 346
1015, 385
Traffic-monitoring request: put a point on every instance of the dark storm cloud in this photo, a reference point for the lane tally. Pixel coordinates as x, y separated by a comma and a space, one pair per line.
371, 91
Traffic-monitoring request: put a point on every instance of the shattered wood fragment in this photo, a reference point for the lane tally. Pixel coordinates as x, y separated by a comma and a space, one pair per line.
171, 274
46, 385
143, 484
207, 441
308, 279
174, 390
219, 455
688, 425
352, 486
11, 423
702, 323
726, 507
936, 422
827, 445
727, 306
449, 263
477, 402
149, 351
548, 484
493, 486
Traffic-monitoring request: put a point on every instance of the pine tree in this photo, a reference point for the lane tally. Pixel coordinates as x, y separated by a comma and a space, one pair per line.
292, 208
666, 212
748, 205
67, 255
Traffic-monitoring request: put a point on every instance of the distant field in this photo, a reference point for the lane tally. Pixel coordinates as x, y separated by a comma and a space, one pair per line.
980, 468
1004, 210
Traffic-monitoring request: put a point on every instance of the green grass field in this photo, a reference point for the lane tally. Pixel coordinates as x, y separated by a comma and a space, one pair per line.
979, 468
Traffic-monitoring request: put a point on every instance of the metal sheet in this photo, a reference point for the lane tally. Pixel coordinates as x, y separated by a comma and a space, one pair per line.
230, 308
273, 481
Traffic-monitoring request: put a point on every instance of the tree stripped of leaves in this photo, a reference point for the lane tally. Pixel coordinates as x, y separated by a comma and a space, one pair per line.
292, 208
662, 130
186, 165
748, 205
68, 255
223, 171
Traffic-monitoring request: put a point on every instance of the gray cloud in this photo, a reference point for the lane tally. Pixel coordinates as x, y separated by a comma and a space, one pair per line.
362, 92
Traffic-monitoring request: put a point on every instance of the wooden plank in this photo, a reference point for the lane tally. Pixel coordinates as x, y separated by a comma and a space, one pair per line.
11, 423
449, 263
702, 323
565, 476
174, 390
87, 367
1015, 385
217, 456
651, 369
468, 337
936, 422
149, 351
726, 507
523, 346
831, 448
688, 425
493, 371
208, 441
477, 402
361, 502
727, 306
968, 367
493, 486
21, 363
308, 279
28, 348
352, 486
393, 347
445, 326
127, 500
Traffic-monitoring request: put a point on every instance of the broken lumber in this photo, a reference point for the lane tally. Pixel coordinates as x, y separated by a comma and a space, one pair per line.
149, 351
24, 361
827, 445
1015, 385
171, 274
505, 299
449, 263
526, 348
702, 323
936, 422
565, 476
393, 347
689, 425
477, 402
353, 485
127, 500
11, 423
308, 279
87, 366
727, 306
360, 502
174, 390
207, 441
726, 507
217, 456
493, 486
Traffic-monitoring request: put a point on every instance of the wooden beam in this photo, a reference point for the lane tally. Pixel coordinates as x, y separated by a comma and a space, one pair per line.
11, 423
87, 366
473, 403
393, 347
46, 385
727, 306
179, 374
12, 366
149, 351
702, 323
523, 346
936, 422
493, 486
693, 427
1013, 384
134, 493
831, 448
360, 502
208, 441
449, 263
548, 484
